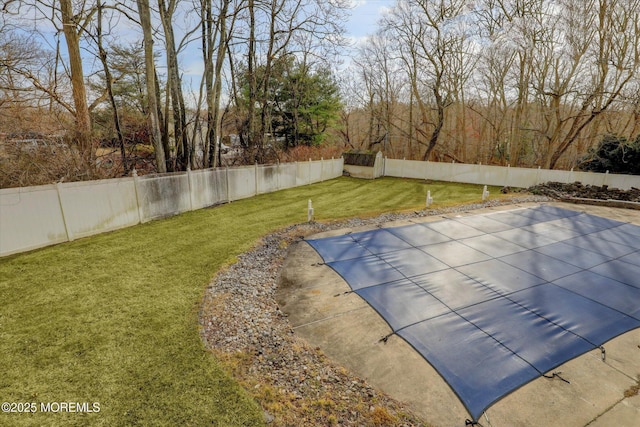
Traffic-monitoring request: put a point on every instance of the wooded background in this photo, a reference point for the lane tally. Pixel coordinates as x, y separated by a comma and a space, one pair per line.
95, 88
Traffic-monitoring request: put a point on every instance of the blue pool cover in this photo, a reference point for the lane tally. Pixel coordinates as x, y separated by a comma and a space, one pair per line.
494, 301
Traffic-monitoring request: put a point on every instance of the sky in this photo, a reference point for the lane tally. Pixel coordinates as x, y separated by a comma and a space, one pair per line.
364, 17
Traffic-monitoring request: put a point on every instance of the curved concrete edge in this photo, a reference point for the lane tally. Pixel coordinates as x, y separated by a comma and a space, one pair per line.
348, 331
608, 203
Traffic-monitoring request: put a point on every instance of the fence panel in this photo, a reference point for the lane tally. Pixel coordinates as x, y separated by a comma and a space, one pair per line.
405, 168
203, 188
338, 167
268, 178
93, 207
315, 171
30, 218
494, 175
588, 178
621, 181
288, 175
462, 172
220, 185
439, 171
325, 169
163, 195
521, 177
547, 175
303, 173
242, 182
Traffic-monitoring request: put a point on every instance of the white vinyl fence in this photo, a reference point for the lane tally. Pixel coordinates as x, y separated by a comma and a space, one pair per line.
35, 217
502, 176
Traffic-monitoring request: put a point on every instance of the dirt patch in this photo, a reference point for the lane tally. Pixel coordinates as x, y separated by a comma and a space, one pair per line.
634, 389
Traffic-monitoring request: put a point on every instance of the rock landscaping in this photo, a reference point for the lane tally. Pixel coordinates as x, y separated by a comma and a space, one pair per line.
561, 191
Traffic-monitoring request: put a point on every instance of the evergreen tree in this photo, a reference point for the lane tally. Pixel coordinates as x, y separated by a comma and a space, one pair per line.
303, 102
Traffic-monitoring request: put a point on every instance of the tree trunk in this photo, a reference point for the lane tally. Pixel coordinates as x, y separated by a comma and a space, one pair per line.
523, 96
154, 120
439, 123
207, 48
82, 117
217, 84
175, 86
253, 82
108, 82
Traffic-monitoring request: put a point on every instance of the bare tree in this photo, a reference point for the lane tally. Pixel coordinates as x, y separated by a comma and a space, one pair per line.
102, 54
616, 51
167, 11
72, 28
215, 40
427, 38
379, 69
150, 78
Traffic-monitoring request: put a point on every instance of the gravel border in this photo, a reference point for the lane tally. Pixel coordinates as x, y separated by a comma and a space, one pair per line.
295, 383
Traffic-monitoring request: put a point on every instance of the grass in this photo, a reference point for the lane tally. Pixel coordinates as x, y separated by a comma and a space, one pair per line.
113, 318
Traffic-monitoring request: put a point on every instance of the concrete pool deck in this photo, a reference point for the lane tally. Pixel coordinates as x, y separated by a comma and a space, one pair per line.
348, 330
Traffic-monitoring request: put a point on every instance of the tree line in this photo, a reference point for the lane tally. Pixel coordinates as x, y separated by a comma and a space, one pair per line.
519, 82
265, 73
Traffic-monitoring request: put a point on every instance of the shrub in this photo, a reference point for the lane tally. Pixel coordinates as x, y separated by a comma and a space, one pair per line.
614, 154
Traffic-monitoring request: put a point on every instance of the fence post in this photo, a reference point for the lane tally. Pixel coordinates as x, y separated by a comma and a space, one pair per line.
538, 176
64, 217
226, 171
321, 169
134, 175
255, 169
604, 178
191, 195
309, 172
506, 180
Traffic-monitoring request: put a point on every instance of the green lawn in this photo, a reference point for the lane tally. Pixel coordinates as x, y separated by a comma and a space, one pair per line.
112, 319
